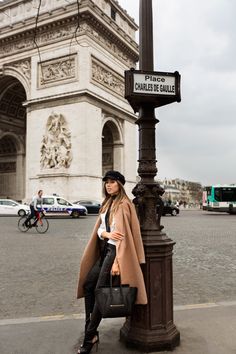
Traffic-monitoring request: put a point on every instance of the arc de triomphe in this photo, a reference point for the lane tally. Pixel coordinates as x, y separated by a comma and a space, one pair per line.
63, 116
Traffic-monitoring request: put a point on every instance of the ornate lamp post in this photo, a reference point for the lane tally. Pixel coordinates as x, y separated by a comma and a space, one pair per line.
151, 327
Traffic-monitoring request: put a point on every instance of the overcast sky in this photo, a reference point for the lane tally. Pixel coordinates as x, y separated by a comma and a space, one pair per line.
196, 139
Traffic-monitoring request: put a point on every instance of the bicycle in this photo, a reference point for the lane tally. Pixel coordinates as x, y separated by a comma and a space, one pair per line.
39, 222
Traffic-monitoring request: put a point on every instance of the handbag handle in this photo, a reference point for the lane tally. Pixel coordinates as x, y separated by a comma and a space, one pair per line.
121, 290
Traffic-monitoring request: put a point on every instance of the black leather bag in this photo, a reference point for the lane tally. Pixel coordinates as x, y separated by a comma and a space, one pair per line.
115, 301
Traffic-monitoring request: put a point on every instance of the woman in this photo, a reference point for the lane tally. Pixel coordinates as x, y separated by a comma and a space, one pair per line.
116, 248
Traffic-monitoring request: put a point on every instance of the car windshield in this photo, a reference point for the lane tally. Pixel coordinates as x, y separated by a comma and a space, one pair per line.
9, 202
48, 201
62, 201
89, 202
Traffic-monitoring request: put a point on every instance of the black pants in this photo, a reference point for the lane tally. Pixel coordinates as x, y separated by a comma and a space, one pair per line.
97, 277
31, 215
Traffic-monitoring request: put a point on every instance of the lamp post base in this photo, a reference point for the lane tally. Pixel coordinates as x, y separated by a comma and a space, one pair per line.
151, 327
149, 341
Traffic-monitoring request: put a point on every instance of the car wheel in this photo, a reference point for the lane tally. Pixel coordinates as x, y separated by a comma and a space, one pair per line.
75, 214
21, 212
174, 212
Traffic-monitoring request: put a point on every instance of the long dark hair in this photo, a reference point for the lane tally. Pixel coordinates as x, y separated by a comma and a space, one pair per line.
109, 200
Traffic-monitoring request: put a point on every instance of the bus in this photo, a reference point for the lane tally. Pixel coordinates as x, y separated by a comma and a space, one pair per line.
219, 198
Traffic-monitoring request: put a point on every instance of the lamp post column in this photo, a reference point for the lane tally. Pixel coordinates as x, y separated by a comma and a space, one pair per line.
151, 326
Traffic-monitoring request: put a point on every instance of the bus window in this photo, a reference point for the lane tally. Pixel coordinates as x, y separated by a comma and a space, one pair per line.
228, 195
218, 194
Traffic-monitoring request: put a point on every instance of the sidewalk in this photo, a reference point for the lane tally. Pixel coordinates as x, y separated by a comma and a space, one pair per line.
204, 329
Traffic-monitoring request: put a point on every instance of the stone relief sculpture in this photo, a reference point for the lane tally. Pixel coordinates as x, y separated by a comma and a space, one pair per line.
108, 78
56, 143
57, 70
26, 43
23, 66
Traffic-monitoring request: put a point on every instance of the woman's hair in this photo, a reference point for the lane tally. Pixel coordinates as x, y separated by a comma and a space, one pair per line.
40, 191
114, 201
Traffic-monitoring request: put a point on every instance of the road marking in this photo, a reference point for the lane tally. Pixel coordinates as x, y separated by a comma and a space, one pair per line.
25, 320
80, 316
204, 305
195, 306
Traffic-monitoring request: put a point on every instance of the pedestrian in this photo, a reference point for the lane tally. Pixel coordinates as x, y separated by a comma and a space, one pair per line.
116, 248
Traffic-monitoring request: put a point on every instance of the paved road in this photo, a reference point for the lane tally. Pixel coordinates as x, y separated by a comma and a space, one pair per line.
38, 273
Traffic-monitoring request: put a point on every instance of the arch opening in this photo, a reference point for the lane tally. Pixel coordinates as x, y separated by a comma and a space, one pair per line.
112, 148
12, 138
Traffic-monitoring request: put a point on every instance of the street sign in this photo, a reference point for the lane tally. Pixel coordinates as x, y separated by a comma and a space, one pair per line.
154, 84
156, 88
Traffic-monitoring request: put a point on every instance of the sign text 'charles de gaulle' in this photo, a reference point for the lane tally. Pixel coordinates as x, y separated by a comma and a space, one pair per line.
158, 88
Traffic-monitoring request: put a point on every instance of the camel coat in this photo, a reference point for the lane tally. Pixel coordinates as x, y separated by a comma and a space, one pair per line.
129, 251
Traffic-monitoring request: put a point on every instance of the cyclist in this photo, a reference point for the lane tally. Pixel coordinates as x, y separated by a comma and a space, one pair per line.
36, 205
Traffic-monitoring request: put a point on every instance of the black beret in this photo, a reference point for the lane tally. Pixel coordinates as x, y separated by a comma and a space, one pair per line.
117, 176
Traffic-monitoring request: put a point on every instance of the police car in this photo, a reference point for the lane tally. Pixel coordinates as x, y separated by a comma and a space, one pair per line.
56, 205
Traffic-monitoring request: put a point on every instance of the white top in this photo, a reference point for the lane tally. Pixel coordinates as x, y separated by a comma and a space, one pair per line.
102, 228
36, 201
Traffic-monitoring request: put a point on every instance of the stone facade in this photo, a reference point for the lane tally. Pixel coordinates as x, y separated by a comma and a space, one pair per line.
185, 192
66, 76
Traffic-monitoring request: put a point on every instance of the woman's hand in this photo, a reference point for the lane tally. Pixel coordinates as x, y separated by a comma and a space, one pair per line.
114, 235
115, 270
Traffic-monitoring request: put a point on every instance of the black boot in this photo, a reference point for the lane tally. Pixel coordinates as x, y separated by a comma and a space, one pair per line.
26, 223
87, 322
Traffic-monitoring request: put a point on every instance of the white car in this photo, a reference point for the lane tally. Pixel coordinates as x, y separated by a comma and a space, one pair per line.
56, 205
11, 207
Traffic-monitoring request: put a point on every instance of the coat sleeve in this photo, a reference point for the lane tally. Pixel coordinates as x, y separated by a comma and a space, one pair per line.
126, 218
130, 252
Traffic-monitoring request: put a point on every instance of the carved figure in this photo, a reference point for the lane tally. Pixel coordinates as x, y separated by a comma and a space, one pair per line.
56, 143
24, 66
107, 78
58, 70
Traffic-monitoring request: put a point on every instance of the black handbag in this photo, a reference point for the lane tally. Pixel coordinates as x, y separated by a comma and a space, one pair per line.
115, 301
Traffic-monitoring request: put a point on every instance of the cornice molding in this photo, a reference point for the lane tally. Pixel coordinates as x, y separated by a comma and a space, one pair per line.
81, 96
130, 46
89, 12
47, 34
